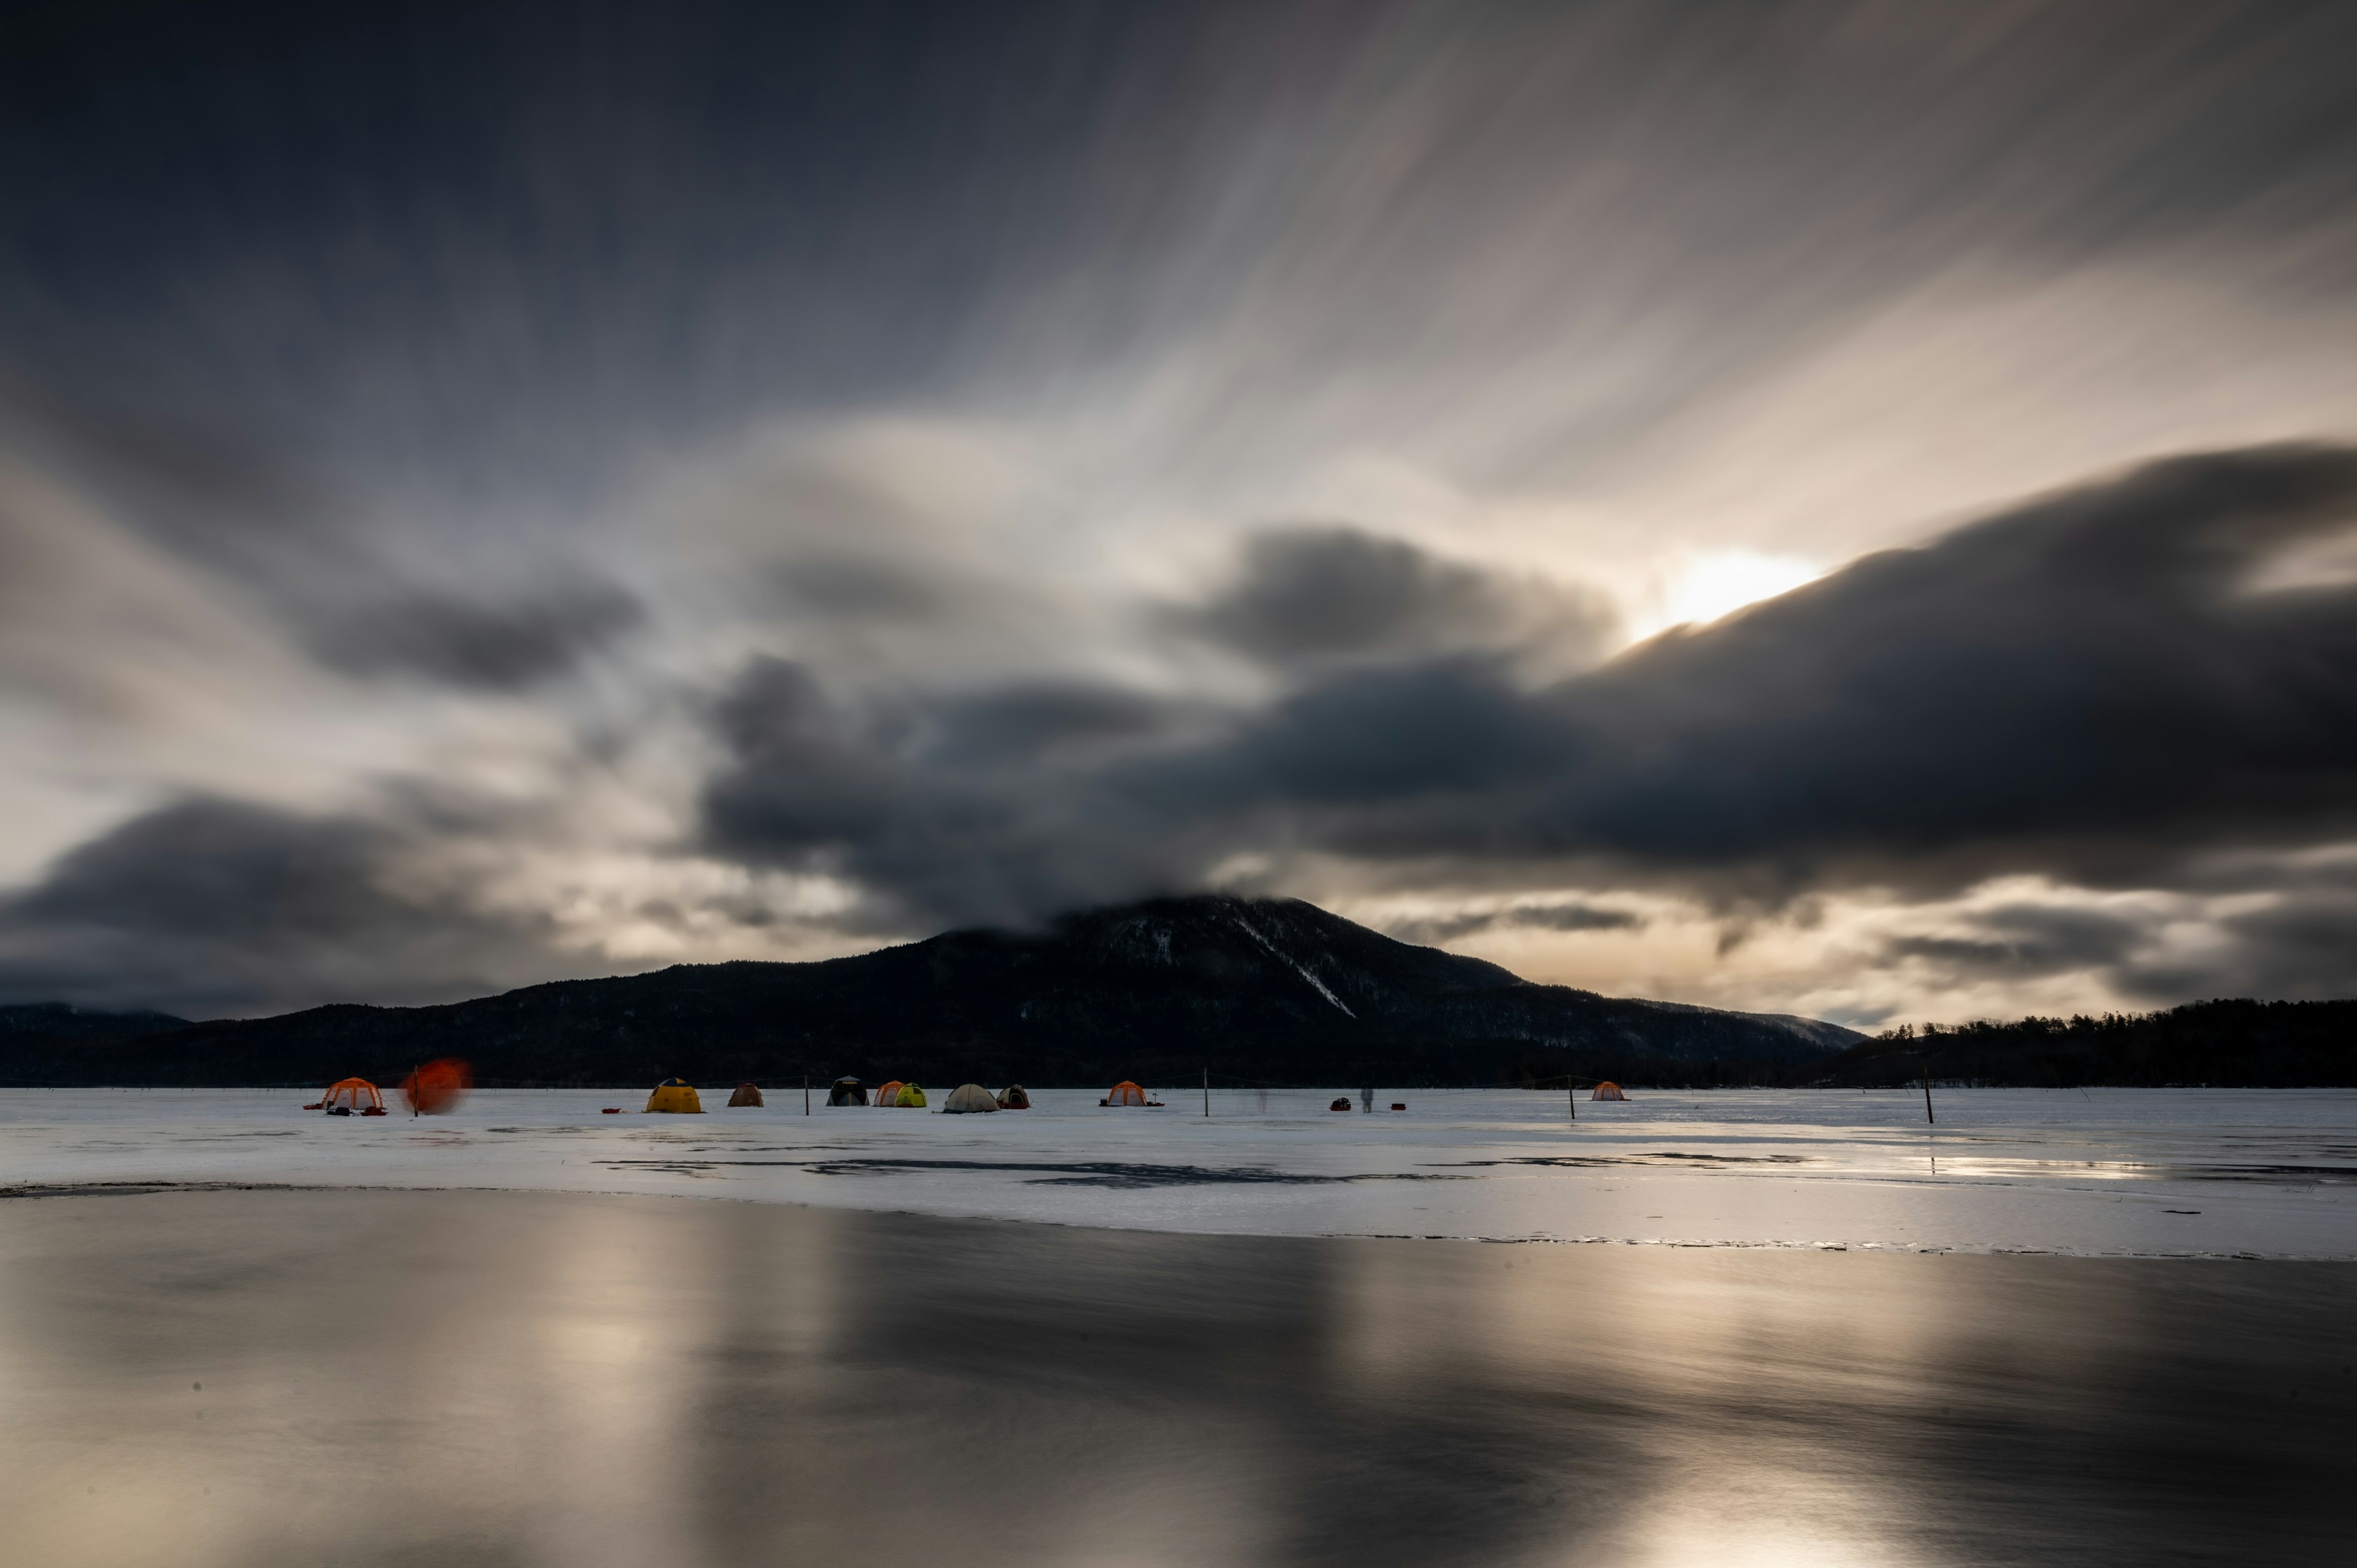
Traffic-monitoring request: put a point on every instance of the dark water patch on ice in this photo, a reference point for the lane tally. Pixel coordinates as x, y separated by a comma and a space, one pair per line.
142, 1188
1673, 1157
235, 1137
2306, 1176
1077, 1173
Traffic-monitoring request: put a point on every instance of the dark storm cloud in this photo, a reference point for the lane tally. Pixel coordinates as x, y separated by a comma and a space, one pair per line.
2030, 940
2086, 686
959, 810
1310, 596
1569, 916
283, 541
1016, 726
2303, 947
2297, 939
468, 247
2300, 944
487, 647
208, 905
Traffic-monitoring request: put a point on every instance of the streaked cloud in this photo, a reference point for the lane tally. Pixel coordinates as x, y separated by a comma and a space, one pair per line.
1819, 507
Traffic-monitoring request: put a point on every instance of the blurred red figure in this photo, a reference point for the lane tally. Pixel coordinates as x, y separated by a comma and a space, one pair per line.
437, 1086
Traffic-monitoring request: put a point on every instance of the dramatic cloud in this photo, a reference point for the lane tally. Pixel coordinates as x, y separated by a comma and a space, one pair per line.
1560, 917
494, 647
972, 811
1322, 596
2087, 686
217, 905
496, 493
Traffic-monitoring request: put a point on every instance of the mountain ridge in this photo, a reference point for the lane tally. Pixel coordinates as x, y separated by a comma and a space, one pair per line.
1273, 990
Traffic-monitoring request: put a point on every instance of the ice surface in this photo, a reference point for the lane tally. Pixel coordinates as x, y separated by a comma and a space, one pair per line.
2100, 1172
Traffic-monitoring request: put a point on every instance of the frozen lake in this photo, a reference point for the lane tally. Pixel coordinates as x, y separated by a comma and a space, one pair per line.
386, 1380
2155, 1173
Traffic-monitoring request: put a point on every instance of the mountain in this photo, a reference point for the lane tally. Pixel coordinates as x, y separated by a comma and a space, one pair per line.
1271, 990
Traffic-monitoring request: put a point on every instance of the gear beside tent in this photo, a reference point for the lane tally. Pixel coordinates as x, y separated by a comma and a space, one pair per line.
967, 1098
847, 1091
1607, 1091
1012, 1098
746, 1094
437, 1087
677, 1096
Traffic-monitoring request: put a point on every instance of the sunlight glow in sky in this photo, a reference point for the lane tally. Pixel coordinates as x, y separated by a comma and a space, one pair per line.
1721, 581
532, 495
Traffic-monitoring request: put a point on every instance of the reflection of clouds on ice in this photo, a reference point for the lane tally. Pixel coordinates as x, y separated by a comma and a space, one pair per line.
2105, 1172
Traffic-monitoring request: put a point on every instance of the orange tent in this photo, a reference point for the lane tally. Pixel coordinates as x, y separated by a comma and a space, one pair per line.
888, 1095
1124, 1093
1607, 1091
350, 1094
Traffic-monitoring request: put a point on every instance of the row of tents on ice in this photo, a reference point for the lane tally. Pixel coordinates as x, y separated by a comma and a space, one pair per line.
439, 1086
677, 1095
965, 1099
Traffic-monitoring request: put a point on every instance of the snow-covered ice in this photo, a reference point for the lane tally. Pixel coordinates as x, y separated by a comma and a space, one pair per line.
2100, 1172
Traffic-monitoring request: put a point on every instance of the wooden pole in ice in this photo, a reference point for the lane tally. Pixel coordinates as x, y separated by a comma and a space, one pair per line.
805, 1094
1206, 1091
1926, 1064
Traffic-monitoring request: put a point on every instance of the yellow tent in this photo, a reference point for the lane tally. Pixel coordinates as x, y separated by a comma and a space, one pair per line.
676, 1095
910, 1095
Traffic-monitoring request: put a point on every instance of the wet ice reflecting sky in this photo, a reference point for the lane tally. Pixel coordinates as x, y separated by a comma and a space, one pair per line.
506, 1379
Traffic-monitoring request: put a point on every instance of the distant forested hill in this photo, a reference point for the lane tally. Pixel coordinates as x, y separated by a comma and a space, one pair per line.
1272, 990
2255, 1044
57, 1020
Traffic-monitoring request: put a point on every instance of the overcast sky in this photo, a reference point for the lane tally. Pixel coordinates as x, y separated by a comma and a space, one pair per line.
1830, 509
